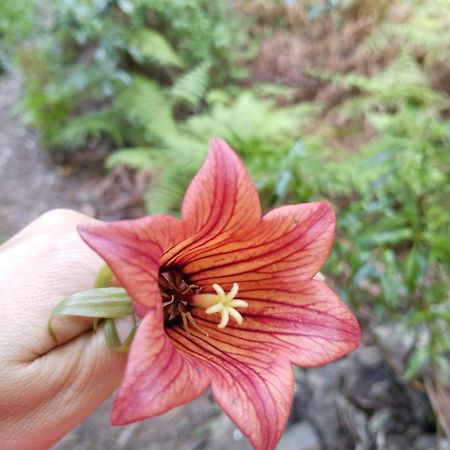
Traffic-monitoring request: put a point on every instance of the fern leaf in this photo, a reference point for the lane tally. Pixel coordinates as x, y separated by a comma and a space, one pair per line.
250, 119
149, 46
137, 157
145, 104
166, 193
91, 126
191, 87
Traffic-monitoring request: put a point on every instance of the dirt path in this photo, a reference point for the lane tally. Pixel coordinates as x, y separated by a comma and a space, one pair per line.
29, 184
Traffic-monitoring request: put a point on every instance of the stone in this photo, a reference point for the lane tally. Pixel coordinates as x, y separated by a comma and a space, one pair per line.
316, 402
369, 356
224, 435
398, 441
301, 436
396, 343
428, 442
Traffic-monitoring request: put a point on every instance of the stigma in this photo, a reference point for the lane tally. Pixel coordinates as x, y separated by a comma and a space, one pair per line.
224, 304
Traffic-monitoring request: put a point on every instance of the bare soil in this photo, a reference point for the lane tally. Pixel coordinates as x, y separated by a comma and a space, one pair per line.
32, 182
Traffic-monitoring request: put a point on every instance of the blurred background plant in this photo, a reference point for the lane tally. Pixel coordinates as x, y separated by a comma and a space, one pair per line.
109, 73
17, 23
340, 100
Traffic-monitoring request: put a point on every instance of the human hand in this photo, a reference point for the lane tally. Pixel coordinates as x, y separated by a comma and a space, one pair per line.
48, 387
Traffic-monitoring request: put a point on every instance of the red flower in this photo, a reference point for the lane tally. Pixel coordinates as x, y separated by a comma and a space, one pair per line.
192, 334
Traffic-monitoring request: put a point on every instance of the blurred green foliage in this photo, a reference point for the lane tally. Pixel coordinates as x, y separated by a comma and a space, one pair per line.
392, 199
260, 132
112, 73
17, 23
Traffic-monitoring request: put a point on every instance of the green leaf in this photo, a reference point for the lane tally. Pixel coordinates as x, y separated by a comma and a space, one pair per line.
390, 279
416, 361
150, 46
104, 277
138, 158
144, 104
191, 87
387, 237
94, 126
102, 303
412, 269
110, 302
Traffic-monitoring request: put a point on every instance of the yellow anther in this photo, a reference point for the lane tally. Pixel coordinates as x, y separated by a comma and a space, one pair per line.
224, 304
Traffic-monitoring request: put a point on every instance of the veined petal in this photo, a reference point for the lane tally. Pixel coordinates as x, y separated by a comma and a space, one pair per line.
133, 249
252, 385
305, 321
158, 377
221, 201
291, 241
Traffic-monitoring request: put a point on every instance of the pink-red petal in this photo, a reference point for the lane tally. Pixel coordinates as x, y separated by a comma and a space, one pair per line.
133, 249
290, 241
158, 377
221, 201
254, 387
305, 321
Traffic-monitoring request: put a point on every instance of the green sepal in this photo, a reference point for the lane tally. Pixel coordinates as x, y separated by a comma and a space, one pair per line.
112, 338
104, 277
103, 280
95, 321
104, 303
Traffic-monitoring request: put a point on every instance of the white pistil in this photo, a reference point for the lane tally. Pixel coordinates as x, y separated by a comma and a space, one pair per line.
224, 304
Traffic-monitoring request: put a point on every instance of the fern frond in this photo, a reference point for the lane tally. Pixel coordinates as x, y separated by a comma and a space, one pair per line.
166, 193
258, 131
191, 87
403, 80
250, 119
92, 126
149, 46
276, 91
137, 157
144, 103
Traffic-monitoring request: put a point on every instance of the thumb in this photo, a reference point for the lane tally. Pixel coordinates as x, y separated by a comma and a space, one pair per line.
70, 382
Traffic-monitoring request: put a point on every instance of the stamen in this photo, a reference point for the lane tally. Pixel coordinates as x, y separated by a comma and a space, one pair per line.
176, 295
222, 303
169, 302
187, 317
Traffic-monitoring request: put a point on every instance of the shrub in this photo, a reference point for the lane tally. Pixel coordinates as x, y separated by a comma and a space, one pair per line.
259, 131
16, 24
113, 73
392, 199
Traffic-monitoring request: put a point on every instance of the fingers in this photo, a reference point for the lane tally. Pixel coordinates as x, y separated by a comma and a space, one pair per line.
46, 385
41, 265
75, 378
53, 221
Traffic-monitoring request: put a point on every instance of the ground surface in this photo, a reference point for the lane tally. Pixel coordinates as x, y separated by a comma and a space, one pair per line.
357, 402
29, 186
32, 183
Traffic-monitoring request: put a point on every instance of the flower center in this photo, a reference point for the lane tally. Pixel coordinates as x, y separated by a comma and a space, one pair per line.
224, 304
177, 296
